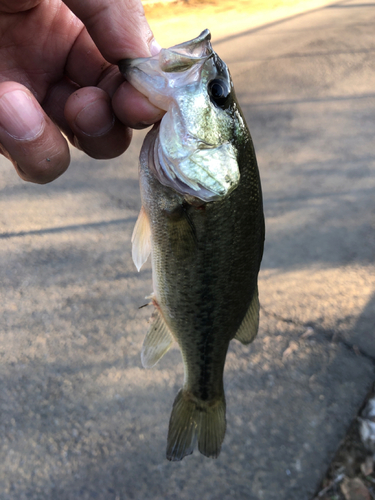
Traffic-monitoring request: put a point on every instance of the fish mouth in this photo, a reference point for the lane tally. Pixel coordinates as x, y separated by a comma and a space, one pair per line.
178, 58
157, 77
192, 148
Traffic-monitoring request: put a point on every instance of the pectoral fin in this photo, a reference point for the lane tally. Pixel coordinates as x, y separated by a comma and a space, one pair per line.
141, 240
157, 342
249, 326
182, 234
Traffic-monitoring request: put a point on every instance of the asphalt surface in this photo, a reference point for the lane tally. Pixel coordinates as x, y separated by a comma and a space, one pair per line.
80, 418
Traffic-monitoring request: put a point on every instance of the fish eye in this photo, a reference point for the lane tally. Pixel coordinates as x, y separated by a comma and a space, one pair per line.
218, 91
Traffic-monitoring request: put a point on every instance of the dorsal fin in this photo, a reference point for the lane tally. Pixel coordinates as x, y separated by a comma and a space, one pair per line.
141, 240
157, 342
249, 326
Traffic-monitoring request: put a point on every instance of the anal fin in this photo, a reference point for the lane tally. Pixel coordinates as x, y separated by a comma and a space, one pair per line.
141, 240
157, 342
249, 326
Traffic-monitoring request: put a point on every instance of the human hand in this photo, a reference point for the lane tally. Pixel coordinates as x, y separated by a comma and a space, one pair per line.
58, 73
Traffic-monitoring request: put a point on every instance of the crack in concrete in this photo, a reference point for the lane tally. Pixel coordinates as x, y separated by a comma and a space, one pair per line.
330, 335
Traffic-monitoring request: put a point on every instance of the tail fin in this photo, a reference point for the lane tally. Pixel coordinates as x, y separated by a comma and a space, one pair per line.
194, 420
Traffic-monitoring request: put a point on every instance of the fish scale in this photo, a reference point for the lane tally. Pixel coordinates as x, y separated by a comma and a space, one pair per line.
204, 230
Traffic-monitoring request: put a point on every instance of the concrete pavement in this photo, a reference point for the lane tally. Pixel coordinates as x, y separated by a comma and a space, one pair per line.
79, 417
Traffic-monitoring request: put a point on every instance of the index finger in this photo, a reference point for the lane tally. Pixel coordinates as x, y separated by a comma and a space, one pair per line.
118, 27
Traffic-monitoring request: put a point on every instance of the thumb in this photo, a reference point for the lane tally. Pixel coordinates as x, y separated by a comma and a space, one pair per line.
118, 27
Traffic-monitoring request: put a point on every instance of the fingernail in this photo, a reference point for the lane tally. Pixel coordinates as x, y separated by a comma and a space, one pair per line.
19, 116
155, 48
95, 120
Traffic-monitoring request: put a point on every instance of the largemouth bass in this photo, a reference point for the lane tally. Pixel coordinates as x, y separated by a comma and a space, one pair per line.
202, 221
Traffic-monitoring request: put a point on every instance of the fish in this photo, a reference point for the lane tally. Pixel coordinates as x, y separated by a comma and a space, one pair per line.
202, 222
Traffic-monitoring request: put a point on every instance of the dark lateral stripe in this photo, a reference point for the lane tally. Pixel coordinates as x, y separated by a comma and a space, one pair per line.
206, 346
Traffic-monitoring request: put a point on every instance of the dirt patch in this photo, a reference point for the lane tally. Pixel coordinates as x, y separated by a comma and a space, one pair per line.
351, 475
